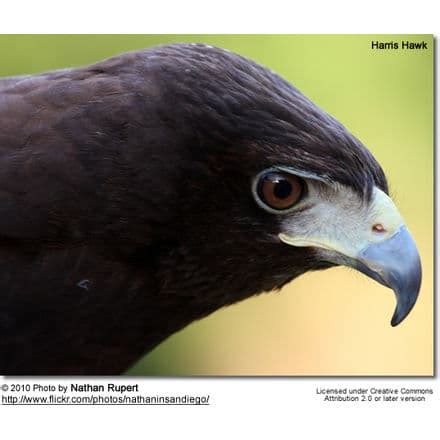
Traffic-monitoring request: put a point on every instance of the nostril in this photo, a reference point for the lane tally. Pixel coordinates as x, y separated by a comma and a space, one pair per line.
378, 228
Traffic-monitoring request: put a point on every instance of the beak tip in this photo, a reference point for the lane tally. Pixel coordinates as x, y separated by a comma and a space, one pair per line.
398, 318
395, 320
405, 303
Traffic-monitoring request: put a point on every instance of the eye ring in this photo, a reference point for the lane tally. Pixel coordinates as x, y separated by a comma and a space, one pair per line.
277, 190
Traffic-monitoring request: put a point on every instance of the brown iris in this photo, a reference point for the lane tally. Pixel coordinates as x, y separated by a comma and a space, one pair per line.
280, 191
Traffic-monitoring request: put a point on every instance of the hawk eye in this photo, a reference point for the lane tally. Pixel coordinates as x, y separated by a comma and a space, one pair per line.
279, 190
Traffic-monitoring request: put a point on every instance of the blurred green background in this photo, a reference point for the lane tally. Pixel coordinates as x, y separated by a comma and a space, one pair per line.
334, 322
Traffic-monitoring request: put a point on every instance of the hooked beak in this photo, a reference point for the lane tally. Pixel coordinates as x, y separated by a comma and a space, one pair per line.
350, 236
395, 263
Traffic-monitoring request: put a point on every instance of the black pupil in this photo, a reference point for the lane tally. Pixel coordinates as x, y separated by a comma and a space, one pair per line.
282, 189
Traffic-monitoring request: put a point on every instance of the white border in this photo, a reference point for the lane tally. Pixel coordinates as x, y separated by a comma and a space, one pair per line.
225, 16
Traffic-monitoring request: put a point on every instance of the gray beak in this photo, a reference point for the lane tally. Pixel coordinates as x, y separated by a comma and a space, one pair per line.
395, 263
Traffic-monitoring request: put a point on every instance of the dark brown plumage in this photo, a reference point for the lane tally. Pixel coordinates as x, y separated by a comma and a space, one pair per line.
125, 202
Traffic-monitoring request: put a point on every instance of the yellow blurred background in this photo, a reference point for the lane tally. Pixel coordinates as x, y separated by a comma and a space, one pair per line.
334, 322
